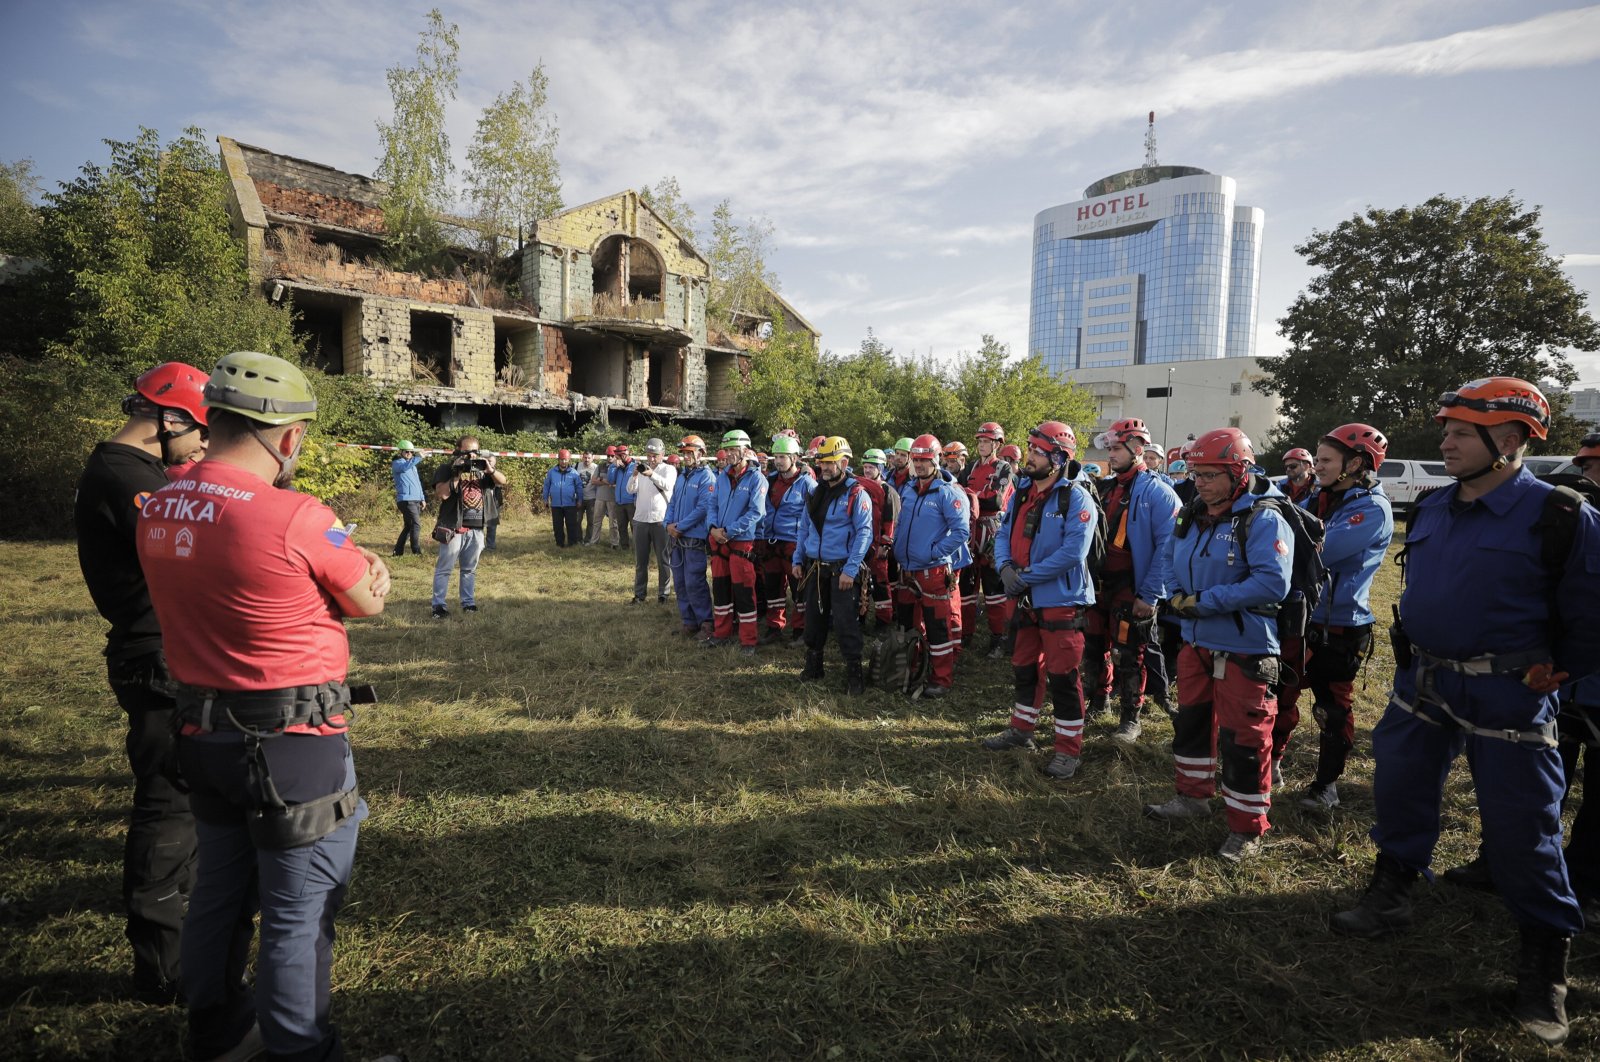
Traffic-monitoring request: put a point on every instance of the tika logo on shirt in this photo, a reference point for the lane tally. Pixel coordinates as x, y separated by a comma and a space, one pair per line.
183, 543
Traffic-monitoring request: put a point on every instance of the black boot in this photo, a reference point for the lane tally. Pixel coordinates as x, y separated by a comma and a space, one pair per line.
1095, 709
999, 647
855, 683
1128, 726
1542, 983
813, 668
1386, 905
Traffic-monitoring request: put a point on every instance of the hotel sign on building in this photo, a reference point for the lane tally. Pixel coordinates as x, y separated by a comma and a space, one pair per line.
1114, 212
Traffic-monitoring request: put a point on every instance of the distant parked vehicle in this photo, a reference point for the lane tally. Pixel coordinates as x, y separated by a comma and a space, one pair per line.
1544, 466
1404, 481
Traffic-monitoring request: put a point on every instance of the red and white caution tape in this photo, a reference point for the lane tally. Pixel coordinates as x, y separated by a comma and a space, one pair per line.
419, 450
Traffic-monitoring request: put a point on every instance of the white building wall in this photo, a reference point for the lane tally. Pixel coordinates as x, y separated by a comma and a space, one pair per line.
1214, 393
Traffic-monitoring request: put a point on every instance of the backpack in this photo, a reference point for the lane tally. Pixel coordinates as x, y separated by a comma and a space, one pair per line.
1557, 524
899, 661
1307, 574
1096, 560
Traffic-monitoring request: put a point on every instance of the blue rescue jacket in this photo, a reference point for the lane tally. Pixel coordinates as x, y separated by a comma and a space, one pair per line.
738, 506
932, 530
1151, 510
1355, 540
1058, 561
1476, 584
690, 504
562, 487
1206, 562
407, 484
783, 523
846, 533
619, 480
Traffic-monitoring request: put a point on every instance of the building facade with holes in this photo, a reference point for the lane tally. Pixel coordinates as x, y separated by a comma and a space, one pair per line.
607, 321
1147, 291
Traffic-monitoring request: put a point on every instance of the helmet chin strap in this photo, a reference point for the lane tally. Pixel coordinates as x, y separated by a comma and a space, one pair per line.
1500, 460
283, 462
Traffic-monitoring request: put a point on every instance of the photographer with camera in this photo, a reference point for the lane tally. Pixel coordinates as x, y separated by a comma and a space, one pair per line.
464, 486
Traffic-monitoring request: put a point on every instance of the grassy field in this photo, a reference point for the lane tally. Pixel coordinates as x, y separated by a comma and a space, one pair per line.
591, 841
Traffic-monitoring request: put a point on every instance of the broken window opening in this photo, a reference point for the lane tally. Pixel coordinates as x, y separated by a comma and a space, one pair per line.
320, 327
665, 384
721, 372
599, 364
432, 340
628, 275
511, 359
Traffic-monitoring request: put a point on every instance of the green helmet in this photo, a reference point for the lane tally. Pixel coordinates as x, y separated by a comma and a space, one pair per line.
782, 444
736, 437
404, 444
261, 387
873, 456
904, 446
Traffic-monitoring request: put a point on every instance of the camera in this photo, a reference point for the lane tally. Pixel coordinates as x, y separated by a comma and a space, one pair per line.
471, 462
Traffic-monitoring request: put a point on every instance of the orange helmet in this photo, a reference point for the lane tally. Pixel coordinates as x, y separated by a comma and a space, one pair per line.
955, 449
991, 430
1055, 438
1011, 452
1497, 400
1127, 431
1361, 439
1588, 449
1228, 447
925, 446
1300, 453
691, 442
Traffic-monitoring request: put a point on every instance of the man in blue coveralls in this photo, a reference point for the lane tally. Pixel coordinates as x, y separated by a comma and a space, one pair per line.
1488, 631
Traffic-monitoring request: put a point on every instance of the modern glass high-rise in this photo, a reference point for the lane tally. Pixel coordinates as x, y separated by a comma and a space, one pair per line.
1153, 265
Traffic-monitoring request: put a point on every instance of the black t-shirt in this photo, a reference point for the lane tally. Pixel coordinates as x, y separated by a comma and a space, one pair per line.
114, 486
472, 502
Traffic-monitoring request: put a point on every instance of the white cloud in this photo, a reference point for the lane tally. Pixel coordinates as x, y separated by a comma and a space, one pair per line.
1573, 261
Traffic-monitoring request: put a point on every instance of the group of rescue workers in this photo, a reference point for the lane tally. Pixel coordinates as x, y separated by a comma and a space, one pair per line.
227, 591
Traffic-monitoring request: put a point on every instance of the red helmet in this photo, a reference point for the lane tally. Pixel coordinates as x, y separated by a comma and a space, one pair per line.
1228, 447
1588, 449
722, 455
1497, 400
1300, 453
991, 430
611, 451
174, 385
789, 433
925, 446
1011, 452
816, 444
672, 459
1052, 436
1174, 453
955, 449
563, 455
1358, 439
622, 449
1127, 431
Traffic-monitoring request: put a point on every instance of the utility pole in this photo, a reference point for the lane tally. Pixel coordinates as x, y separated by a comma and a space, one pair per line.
1166, 409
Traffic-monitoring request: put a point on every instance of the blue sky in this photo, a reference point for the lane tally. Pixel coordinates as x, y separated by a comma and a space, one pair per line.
900, 150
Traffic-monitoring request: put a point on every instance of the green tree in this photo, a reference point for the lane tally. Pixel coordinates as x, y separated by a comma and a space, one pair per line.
1411, 302
19, 217
514, 176
740, 281
1016, 394
416, 167
666, 199
139, 267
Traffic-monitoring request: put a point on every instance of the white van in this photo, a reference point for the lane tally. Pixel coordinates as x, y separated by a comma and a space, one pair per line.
1404, 480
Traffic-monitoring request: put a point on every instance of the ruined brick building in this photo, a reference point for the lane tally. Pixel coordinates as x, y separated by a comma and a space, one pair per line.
610, 322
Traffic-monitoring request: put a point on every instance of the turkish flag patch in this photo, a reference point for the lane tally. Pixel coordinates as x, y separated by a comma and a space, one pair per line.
1356, 518
1083, 516
958, 505
1281, 546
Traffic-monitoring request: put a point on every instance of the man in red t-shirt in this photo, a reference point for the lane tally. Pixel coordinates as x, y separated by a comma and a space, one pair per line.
251, 583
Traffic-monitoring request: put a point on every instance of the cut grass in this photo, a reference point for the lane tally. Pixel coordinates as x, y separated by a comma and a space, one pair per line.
590, 839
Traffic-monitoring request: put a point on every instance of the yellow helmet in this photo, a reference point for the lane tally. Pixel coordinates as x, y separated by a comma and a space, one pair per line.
834, 448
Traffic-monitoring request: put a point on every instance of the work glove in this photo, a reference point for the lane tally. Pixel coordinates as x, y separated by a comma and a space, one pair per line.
1012, 582
1185, 605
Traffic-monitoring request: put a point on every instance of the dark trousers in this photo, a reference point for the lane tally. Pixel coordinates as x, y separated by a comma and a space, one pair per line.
827, 607
411, 530
624, 522
158, 859
650, 539
564, 521
1580, 736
